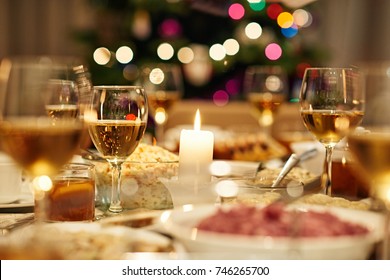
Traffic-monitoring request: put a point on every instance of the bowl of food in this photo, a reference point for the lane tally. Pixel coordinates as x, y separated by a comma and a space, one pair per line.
258, 188
275, 231
81, 241
142, 179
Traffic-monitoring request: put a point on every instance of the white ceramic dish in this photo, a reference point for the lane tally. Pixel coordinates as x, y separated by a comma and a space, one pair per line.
83, 240
25, 203
181, 223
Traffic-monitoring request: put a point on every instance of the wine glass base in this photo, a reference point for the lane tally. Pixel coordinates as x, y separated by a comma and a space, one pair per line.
115, 209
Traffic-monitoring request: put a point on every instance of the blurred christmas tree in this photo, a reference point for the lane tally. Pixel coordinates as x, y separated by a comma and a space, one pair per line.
213, 40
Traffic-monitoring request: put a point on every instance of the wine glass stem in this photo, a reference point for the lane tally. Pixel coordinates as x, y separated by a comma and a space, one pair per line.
160, 134
115, 204
326, 179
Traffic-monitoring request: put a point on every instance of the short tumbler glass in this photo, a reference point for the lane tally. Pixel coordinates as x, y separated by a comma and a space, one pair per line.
72, 196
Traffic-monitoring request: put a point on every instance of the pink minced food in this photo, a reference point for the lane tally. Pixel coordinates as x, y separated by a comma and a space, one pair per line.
275, 220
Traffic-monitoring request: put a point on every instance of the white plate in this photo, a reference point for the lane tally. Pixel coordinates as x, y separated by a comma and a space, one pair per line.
25, 203
87, 240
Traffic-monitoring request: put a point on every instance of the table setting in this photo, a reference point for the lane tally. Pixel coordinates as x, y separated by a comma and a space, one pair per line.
125, 198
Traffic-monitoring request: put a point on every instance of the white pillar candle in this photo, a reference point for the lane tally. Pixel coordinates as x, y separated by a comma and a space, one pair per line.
195, 153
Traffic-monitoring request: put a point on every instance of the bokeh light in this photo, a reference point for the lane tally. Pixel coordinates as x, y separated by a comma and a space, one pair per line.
274, 10
170, 28
285, 20
43, 183
130, 72
231, 46
124, 54
233, 86
256, 5
253, 30
217, 52
220, 98
302, 18
160, 115
185, 55
156, 76
165, 51
290, 32
273, 51
102, 56
236, 11
273, 83
227, 188
220, 168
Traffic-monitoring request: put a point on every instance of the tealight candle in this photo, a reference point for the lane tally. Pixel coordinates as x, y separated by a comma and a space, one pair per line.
195, 153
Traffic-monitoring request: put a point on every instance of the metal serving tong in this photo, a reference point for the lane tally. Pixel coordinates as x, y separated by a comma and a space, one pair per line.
292, 161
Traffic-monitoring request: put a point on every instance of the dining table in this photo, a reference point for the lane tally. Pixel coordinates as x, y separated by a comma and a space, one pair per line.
18, 217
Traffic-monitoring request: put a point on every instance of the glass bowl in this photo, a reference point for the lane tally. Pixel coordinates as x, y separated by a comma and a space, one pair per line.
142, 184
251, 190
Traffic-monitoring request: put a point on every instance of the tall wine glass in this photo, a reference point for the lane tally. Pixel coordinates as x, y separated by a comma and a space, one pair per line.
371, 146
266, 88
40, 143
164, 86
117, 121
332, 104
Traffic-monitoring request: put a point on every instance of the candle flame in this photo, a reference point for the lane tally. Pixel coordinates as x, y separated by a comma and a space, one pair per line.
197, 120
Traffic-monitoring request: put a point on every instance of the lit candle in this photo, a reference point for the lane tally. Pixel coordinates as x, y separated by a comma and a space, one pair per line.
195, 153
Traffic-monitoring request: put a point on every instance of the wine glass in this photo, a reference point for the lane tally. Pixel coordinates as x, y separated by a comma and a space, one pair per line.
164, 86
371, 149
39, 137
117, 121
370, 146
331, 104
266, 88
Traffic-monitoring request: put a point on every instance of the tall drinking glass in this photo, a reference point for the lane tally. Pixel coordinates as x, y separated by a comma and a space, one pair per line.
164, 85
117, 121
266, 88
332, 104
371, 146
38, 132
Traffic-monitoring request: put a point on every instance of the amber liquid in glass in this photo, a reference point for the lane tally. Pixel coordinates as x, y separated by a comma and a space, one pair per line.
372, 152
70, 199
62, 111
40, 145
162, 99
116, 139
330, 126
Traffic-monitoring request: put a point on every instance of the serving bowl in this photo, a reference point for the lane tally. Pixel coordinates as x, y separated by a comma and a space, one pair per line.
142, 175
182, 223
143, 184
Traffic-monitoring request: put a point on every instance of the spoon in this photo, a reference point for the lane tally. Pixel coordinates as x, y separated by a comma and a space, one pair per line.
293, 160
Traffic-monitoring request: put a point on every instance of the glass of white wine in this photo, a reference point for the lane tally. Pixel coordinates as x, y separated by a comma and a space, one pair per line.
40, 143
266, 88
332, 104
371, 149
117, 119
163, 83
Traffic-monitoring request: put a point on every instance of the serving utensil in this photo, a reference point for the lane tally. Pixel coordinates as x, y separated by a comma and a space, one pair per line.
293, 160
